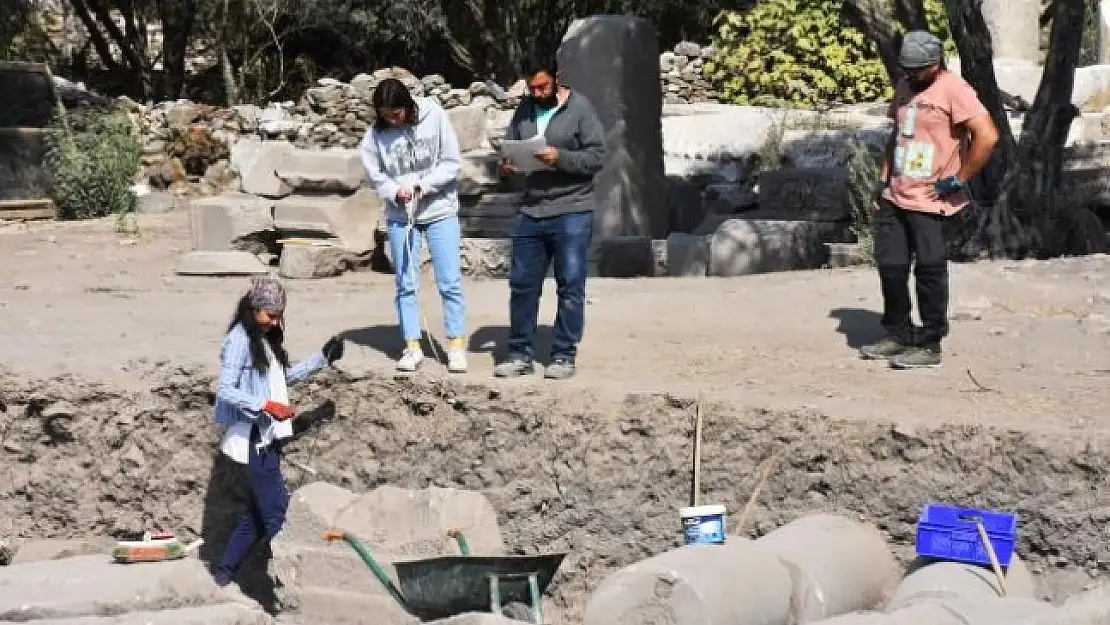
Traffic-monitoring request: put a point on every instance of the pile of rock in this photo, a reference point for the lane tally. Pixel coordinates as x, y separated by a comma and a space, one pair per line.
681, 72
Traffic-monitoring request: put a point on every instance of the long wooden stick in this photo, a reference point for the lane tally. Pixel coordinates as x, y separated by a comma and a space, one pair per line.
764, 475
697, 451
992, 555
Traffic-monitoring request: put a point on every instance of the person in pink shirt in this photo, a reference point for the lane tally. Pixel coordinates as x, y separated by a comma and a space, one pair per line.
923, 183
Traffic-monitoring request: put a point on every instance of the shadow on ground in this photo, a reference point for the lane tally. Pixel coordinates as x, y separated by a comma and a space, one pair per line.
859, 326
493, 340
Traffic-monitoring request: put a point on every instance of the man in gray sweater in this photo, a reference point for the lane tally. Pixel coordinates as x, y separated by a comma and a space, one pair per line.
555, 220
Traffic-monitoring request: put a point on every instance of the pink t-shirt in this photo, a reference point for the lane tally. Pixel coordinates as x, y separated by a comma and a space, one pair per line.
928, 133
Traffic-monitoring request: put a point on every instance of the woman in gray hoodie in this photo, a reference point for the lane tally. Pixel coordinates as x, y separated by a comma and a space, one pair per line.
412, 158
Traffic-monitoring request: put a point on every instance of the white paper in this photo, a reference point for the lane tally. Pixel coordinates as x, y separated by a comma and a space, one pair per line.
522, 154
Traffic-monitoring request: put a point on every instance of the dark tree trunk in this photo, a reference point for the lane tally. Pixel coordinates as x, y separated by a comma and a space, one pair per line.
1033, 178
178, 22
877, 25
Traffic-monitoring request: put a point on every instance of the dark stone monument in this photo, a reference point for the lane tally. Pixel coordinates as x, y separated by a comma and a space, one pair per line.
614, 61
24, 121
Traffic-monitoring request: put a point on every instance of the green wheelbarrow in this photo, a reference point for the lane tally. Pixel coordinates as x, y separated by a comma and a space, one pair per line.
437, 588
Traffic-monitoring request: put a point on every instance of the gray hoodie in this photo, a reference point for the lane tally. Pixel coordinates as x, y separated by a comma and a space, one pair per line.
425, 155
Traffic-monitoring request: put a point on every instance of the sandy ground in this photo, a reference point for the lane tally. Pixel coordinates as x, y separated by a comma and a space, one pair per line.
82, 298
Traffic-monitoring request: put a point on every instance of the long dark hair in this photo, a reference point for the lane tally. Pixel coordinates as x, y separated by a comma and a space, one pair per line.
245, 316
392, 94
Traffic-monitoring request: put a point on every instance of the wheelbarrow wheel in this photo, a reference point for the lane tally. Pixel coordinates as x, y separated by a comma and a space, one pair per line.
518, 612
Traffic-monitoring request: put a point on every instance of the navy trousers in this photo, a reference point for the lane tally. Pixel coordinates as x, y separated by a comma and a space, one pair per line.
265, 513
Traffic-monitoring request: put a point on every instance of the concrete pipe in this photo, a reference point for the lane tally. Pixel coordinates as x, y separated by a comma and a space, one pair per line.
838, 565
927, 580
731, 584
992, 611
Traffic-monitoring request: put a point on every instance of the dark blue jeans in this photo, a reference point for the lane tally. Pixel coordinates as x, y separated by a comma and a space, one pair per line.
265, 514
536, 243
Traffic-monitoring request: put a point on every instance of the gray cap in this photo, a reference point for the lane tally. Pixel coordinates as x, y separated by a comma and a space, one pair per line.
920, 49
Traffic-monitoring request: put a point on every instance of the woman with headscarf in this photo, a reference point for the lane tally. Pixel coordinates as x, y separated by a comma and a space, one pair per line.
252, 403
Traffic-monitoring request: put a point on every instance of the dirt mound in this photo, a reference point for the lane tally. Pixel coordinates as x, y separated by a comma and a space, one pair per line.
571, 474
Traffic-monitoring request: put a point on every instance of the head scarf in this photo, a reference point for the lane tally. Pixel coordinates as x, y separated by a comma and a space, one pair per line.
267, 294
920, 49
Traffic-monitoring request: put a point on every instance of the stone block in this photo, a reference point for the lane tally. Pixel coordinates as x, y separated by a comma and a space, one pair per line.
845, 255
727, 199
219, 614
29, 95
338, 607
23, 173
216, 222
47, 549
355, 219
156, 203
625, 257
833, 148
257, 163
306, 259
687, 255
659, 252
94, 585
742, 246
490, 216
486, 258
687, 207
469, 123
414, 523
805, 193
230, 263
630, 190
478, 173
321, 171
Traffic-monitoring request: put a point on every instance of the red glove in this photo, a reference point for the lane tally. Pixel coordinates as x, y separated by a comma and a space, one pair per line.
281, 412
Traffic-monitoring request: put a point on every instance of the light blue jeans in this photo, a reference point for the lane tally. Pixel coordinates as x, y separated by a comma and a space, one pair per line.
443, 244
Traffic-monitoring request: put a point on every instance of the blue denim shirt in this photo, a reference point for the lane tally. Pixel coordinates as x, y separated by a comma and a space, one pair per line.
242, 390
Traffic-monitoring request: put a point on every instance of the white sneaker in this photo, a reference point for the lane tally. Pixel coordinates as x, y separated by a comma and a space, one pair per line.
410, 359
456, 360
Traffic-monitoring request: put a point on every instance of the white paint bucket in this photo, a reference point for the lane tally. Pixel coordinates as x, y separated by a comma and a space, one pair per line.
703, 525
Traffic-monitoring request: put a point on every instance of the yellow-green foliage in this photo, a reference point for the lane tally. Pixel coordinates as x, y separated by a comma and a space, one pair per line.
801, 53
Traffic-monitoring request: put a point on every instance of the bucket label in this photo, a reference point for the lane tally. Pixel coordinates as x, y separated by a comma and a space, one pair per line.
702, 530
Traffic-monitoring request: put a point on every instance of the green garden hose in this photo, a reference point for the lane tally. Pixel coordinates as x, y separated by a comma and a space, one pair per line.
378, 571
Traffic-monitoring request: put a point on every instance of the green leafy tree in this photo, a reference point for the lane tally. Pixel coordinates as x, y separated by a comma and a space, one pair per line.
795, 53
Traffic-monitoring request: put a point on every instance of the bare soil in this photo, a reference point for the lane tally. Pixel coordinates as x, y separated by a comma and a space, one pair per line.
109, 360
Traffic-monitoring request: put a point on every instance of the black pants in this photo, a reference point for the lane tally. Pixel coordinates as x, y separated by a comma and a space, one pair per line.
903, 237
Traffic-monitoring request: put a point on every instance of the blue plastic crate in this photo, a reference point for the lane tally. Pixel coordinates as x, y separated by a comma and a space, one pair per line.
950, 533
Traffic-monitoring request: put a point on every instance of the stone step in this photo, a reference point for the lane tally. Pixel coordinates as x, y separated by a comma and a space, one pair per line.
355, 219
491, 205
229, 263
94, 585
483, 227
328, 171
338, 607
297, 569
747, 246
220, 614
216, 222
478, 173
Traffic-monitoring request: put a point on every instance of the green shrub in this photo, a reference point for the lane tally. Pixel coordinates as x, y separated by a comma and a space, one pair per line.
794, 53
92, 160
802, 53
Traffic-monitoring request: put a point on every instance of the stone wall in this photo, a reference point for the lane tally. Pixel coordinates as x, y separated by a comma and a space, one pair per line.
337, 114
